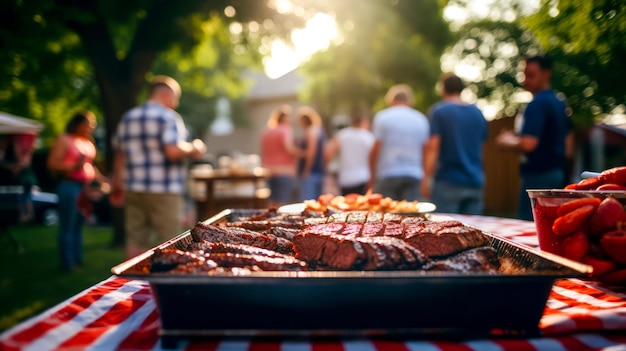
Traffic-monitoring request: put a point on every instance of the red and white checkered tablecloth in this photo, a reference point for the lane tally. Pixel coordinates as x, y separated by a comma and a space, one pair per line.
121, 314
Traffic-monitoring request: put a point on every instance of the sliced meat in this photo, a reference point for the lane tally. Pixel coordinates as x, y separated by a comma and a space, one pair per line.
394, 230
373, 229
264, 263
446, 241
375, 257
374, 217
356, 217
286, 233
480, 259
352, 230
324, 229
393, 217
232, 235
309, 246
341, 253
216, 248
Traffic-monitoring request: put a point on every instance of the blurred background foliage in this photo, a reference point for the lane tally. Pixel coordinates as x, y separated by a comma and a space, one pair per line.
59, 56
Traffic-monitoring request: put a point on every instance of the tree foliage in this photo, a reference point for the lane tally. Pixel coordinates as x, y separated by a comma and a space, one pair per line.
381, 43
583, 39
587, 39
64, 55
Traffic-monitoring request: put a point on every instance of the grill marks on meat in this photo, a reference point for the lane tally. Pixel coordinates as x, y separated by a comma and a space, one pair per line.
356, 246
480, 259
230, 235
357, 240
384, 245
212, 257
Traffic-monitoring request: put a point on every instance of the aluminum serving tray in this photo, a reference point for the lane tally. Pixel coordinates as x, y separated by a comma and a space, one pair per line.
353, 303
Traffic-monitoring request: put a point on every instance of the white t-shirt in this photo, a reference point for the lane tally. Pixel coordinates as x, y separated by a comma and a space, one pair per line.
402, 131
354, 149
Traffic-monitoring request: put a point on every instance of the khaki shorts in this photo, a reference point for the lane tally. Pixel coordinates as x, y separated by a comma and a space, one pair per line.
152, 219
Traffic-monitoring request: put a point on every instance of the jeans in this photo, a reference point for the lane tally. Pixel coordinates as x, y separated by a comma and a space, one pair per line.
70, 237
281, 188
546, 180
454, 198
399, 188
355, 189
311, 186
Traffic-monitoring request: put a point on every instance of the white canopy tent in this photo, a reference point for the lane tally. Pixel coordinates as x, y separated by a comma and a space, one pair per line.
10, 124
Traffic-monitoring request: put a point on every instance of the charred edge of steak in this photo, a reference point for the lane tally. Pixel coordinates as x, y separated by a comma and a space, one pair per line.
251, 225
281, 232
341, 253
479, 259
168, 259
264, 263
399, 254
232, 235
215, 248
448, 241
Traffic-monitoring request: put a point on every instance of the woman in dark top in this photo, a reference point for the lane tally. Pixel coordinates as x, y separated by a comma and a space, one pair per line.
311, 166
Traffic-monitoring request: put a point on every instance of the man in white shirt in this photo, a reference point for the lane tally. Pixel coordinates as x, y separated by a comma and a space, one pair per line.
396, 160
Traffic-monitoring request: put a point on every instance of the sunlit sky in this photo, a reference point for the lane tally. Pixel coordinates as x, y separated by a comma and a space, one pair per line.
321, 30
315, 36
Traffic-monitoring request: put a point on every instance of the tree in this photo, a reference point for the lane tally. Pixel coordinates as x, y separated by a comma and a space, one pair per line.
382, 43
587, 39
98, 54
583, 39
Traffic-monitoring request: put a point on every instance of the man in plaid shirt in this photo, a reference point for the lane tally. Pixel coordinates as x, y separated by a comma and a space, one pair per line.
149, 168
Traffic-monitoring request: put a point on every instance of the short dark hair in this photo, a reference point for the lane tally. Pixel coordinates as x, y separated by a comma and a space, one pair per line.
543, 61
452, 84
76, 120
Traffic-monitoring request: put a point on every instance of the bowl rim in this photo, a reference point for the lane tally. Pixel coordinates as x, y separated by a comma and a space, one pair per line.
539, 193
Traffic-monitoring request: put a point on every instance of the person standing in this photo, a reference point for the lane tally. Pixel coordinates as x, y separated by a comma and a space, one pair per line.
278, 154
396, 159
311, 166
149, 168
544, 140
71, 157
454, 155
353, 144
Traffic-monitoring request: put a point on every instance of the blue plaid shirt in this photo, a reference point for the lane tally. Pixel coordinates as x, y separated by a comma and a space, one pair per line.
142, 135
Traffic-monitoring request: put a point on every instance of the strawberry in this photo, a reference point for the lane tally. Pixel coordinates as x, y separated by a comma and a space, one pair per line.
572, 221
606, 217
577, 203
600, 266
611, 186
585, 184
575, 246
616, 175
614, 245
616, 277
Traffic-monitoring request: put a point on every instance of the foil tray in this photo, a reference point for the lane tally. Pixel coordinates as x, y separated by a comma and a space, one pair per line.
354, 303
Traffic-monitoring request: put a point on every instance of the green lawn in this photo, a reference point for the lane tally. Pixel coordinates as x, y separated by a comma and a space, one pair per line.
31, 281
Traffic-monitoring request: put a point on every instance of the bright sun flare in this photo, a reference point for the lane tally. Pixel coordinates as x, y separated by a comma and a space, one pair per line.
317, 35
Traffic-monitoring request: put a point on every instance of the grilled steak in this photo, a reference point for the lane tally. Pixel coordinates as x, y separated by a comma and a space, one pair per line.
231, 235
443, 239
220, 248
357, 240
480, 259
252, 262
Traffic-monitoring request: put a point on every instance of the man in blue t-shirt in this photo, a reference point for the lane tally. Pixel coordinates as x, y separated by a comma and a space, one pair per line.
544, 139
453, 156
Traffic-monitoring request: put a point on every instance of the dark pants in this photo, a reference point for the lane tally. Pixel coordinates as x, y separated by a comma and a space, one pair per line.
398, 188
545, 180
356, 189
70, 237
